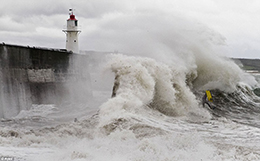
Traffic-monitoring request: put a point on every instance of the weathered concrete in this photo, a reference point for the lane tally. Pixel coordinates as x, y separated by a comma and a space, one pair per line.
30, 75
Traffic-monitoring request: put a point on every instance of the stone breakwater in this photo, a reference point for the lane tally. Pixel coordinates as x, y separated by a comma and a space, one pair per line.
32, 75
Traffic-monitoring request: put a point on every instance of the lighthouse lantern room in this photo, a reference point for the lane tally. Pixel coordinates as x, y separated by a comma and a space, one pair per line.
72, 33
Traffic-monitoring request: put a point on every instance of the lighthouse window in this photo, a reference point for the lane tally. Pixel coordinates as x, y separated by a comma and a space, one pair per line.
76, 23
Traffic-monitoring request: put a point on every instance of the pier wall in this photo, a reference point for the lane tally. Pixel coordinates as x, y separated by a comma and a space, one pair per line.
31, 75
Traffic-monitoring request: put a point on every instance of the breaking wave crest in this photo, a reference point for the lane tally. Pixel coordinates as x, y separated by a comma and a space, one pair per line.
167, 88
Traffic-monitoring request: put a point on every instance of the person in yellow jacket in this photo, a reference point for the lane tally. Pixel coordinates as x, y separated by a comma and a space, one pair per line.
206, 98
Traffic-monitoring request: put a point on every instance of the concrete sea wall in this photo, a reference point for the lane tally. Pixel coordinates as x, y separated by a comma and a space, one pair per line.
31, 75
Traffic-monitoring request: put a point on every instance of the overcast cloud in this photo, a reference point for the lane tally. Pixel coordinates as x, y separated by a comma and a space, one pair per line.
129, 25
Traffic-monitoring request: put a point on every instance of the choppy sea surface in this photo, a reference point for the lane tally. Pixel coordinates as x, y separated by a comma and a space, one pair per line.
156, 115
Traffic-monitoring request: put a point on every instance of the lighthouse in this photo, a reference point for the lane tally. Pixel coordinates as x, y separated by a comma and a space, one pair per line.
72, 33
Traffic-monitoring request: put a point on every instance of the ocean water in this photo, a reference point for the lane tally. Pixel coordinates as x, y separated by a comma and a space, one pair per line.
157, 112
156, 115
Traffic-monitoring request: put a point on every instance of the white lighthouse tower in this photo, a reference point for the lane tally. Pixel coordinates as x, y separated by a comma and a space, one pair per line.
72, 33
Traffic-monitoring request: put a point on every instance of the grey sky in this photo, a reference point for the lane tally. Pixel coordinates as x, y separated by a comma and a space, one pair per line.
129, 25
